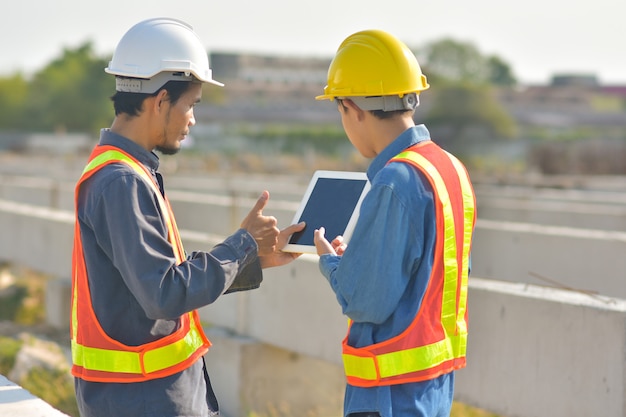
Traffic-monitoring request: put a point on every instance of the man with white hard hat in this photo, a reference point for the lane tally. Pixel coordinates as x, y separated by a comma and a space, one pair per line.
137, 340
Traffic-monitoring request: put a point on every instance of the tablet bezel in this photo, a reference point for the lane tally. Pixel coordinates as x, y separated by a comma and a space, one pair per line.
325, 174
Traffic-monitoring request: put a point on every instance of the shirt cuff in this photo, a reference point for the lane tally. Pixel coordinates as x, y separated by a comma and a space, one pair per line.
328, 264
244, 246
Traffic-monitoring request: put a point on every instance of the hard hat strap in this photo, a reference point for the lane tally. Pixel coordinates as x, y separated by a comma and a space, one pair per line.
149, 85
387, 103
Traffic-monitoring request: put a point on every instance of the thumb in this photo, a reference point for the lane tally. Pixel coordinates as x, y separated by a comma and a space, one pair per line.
294, 228
318, 234
261, 203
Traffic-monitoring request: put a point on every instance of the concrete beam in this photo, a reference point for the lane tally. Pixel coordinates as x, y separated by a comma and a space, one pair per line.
591, 261
254, 378
538, 352
533, 351
15, 401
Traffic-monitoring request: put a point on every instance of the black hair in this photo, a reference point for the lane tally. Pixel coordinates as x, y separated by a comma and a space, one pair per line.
130, 103
379, 114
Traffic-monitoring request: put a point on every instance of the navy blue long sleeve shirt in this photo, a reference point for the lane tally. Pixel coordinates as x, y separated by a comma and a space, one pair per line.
139, 292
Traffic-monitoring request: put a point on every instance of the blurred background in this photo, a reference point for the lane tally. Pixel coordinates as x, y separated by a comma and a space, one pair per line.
529, 94
534, 89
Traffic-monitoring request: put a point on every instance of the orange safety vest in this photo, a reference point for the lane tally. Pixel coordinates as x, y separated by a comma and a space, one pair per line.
95, 355
436, 340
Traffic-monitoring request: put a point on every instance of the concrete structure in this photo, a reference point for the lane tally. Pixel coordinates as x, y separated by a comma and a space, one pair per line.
15, 401
533, 351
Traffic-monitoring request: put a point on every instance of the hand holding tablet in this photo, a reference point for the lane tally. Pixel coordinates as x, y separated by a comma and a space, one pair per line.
332, 200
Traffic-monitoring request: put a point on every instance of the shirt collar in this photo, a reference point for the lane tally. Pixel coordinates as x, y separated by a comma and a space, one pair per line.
406, 139
149, 159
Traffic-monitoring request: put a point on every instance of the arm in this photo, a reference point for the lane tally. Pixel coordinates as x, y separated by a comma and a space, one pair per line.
130, 230
382, 256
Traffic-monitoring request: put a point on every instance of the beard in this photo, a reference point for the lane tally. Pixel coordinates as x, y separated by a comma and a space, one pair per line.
167, 150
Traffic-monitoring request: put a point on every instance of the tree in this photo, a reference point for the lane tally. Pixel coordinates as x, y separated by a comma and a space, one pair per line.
13, 99
448, 60
71, 93
463, 113
500, 73
455, 61
463, 109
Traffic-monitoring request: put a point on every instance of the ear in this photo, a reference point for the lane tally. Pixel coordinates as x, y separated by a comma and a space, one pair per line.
355, 109
159, 100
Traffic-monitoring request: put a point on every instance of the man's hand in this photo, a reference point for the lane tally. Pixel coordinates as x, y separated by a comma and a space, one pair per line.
323, 246
262, 228
279, 258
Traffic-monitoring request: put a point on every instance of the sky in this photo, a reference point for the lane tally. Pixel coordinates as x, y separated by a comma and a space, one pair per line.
537, 38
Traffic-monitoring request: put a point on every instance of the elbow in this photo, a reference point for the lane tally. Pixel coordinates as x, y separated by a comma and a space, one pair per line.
161, 312
366, 315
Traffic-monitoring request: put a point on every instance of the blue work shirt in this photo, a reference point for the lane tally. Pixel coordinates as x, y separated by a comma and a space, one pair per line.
139, 292
382, 276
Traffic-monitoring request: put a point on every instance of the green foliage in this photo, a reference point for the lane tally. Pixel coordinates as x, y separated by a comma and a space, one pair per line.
451, 60
8, 351
54, 387
500, 72
13, 101
461, 107
71, 93
23, 301
465, 111
448, 60
11, 301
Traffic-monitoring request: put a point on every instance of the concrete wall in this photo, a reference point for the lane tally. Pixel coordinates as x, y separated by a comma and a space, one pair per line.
15, 401
591, 261
584, 209
533, 351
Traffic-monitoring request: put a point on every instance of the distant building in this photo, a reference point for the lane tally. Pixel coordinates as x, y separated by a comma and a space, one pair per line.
269, 71
283, 88
569, 101
571, 80
268, 88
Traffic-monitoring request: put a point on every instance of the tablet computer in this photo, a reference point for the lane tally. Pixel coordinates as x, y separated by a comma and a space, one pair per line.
332, 200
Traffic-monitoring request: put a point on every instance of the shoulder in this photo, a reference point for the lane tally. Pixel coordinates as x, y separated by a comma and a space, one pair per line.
404, 180
113, 179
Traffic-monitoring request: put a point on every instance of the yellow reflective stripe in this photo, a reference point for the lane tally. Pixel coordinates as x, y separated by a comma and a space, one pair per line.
469, 214
174, 353
407, 360
110, 360
360, 367
419, 358
107, 360
451, 272
165, 209
75, 300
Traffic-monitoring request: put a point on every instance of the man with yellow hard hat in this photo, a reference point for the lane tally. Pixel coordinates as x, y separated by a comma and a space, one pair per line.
402, 280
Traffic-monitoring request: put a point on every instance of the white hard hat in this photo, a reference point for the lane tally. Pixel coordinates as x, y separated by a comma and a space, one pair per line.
156, 51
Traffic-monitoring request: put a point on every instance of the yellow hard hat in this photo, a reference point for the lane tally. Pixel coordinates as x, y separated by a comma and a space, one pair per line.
373, 63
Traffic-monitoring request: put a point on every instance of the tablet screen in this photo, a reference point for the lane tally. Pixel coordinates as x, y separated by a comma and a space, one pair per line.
332, 201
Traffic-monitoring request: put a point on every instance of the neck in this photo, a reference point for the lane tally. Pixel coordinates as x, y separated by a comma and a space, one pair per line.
132, 128
387, 130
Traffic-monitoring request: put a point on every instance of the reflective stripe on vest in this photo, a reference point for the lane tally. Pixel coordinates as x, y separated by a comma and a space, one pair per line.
96, 356
393, 362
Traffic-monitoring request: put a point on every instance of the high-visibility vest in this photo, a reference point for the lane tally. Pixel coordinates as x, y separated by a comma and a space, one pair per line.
95, 355
436, 340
